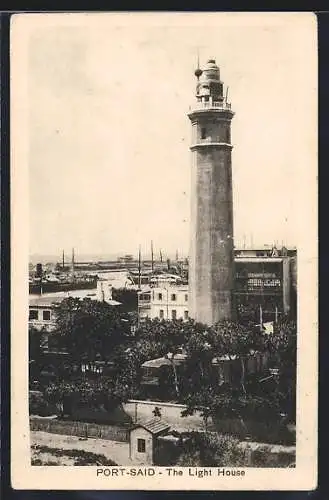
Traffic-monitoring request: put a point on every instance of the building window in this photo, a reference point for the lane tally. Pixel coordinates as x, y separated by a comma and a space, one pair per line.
173, 297
141, 445
160, 296
33, 314
185, 315
186, 297
173, 314
145, 297
203, 132
46, 315
161, 315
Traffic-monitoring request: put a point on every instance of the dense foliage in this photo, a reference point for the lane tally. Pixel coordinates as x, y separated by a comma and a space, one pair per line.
89, 328
94, 331
248, 396
215, 450
212, 450
127, 297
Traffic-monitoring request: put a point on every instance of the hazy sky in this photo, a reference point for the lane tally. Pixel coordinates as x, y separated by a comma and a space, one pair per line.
109, 136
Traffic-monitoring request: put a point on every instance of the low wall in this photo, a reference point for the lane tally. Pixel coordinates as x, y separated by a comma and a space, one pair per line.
69, 428
170, 412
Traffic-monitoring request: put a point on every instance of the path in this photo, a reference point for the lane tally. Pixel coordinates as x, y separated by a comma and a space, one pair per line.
118, 452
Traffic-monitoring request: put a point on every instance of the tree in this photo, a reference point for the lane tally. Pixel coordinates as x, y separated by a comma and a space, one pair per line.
101, 393
88, 328
241, 398
225, 339
95, 330
282, 345
127, 297
35, 337
170, 337
212, 450
35, 353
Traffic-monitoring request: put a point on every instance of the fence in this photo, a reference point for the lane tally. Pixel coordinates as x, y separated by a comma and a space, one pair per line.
80, 429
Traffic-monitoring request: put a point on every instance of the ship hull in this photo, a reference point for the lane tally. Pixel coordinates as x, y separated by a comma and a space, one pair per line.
37, 288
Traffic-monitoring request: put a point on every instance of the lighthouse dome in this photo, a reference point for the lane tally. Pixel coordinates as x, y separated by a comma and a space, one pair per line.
210, 71
212, 63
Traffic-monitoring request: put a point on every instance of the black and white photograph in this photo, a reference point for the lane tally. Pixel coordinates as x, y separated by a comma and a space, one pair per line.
164, 250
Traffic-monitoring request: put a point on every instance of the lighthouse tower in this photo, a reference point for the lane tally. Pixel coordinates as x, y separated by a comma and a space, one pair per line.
211, 260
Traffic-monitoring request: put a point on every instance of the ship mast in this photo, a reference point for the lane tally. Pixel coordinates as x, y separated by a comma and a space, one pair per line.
152, 257
72, 265
139, 267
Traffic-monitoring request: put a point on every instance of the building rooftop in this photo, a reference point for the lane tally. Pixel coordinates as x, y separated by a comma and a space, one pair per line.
171, 286
50, 300
259, 259
158, 362
180, 358
155, 426
45, 301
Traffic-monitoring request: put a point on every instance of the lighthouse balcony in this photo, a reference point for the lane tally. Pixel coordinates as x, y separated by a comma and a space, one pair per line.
211, 142
210, 105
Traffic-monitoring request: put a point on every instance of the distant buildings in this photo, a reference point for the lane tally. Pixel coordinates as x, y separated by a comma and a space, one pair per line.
42, 309
126, 259
165, 302
266, 282
261, 281
42, 312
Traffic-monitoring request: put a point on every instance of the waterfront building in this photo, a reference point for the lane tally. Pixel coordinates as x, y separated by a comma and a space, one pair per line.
263, 283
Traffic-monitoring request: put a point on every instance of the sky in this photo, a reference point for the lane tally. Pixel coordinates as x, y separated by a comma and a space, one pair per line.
109, 136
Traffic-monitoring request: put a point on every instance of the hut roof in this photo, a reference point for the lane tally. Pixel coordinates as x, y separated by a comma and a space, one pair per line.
154, 426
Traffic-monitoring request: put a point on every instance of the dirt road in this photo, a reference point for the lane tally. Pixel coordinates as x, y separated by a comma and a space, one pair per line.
118, 452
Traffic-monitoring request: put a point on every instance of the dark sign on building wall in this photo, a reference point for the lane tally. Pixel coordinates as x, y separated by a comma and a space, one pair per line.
259, 277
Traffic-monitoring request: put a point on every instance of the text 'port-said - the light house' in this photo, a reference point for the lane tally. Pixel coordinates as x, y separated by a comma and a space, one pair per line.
211, 259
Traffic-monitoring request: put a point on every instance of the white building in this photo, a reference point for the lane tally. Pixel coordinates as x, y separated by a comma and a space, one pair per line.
42, 309
168, 303
42, 312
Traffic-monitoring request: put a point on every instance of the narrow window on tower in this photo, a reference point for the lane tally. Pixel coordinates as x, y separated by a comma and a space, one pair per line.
203, 132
